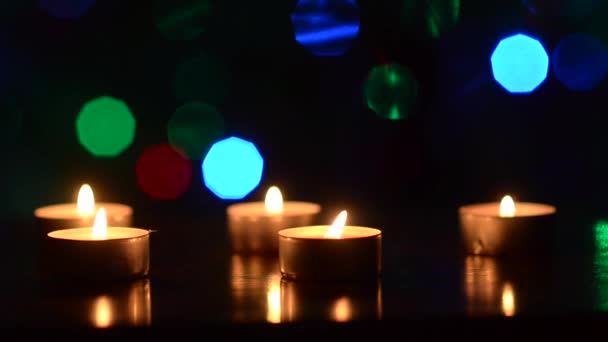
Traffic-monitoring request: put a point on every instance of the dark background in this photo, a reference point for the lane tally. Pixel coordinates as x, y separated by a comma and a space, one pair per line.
467, 140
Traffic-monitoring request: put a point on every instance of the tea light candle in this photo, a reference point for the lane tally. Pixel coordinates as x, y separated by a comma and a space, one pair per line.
507, 227
330, 252
81, 213
99, 251
253, 226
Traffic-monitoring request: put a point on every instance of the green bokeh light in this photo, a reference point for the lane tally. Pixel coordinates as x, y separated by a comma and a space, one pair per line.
201, 78
435, 16
194, 127
182, 19
600, 265
105, 127
390, 91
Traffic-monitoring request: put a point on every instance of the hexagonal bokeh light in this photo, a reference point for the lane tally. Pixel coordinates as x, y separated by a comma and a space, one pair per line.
202, 77
182, 20
194, 127
519, 63
232, 168
580, 61
65, 9
105, 126
431, 17
162, 172
326, 27
562, 8
390, 91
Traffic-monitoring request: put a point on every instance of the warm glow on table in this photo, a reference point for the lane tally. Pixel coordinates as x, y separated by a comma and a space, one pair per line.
342, 310
508, 300
273, 299
102, 314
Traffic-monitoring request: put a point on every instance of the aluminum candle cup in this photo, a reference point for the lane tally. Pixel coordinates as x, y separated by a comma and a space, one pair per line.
61, 216
353, 252
99, 252
330, 301
527, 229
253, 226
125, 253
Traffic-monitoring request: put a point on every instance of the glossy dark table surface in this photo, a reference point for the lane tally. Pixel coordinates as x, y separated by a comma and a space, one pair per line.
195, 279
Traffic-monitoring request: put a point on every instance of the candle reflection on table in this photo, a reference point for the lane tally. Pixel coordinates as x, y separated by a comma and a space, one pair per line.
130, 306
255, 284
487, 292
330, 300
508, 300
102, 312
103, 305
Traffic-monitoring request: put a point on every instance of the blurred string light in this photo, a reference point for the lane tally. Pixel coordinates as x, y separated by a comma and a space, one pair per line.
232, 168
66, 9
182, 20
600, 264
162, 172
390, 91
519, 63
326, 27
105, 126
435, 16
194, 127
203, 77
580, 61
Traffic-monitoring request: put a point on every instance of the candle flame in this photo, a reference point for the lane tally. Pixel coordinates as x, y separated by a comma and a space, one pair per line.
86, 201
507, 207
335, 230
508, 300
274, 200
100, 226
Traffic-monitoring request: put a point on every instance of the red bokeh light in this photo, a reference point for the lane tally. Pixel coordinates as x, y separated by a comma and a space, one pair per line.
162, 172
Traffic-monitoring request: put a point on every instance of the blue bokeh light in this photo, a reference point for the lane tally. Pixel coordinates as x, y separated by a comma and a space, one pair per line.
580, 62
232, 168
326, 27
65, 9
519, 63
